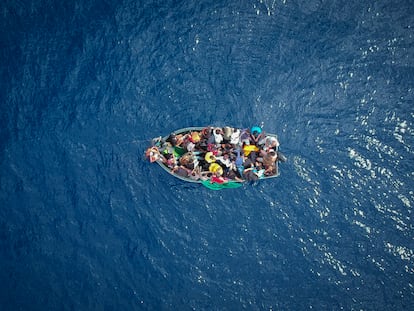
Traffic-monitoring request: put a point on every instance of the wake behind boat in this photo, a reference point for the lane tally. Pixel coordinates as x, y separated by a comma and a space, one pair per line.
218, 157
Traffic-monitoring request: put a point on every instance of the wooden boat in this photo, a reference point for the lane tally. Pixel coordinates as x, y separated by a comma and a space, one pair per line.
218, 157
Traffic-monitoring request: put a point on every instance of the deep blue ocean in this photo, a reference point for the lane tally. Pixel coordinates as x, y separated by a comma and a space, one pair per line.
87, 223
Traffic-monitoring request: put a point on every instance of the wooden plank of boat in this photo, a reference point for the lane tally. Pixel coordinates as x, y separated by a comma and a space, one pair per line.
158, 143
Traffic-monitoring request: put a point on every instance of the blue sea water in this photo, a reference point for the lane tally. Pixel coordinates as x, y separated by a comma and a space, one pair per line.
86, 223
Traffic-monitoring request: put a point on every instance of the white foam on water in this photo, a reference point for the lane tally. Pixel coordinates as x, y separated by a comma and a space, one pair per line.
335, 263
404, 253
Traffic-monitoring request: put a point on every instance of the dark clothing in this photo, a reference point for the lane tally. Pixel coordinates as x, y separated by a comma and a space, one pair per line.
250, 175
181, 172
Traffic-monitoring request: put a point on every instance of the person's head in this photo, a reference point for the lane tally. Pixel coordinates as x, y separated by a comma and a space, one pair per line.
256, 129
195, 137
247, 163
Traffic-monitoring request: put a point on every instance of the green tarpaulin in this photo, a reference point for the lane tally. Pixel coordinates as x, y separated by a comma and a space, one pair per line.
216, 186
178, 151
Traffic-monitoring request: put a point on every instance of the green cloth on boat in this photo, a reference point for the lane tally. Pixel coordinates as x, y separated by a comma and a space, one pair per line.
216, 186
179, 151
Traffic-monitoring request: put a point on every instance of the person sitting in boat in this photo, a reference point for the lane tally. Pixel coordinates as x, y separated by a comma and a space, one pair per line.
253, 170
256, 135
235, 138
270, 170
239, 162
191, 141
226, 162
270, 143
258, 169
195, 137
232, 173
245, 137
171, 160
227, 132
189, 160
227, 148
166, 148
215, 168
153, 154
250, 172
218, 178
190, 146
198, 174
218, 136
269, 162
204, 136
181, 170
205, 162
270, 157
176, 140
205, 133
216, 150
171, 139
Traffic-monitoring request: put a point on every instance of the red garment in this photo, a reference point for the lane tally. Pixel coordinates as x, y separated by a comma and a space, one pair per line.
215, 179
212, 149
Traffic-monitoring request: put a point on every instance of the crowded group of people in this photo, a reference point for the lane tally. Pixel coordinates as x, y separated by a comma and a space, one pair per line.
218, 154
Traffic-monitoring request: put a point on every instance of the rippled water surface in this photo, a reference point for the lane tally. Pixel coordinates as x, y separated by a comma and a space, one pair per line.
86, 223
